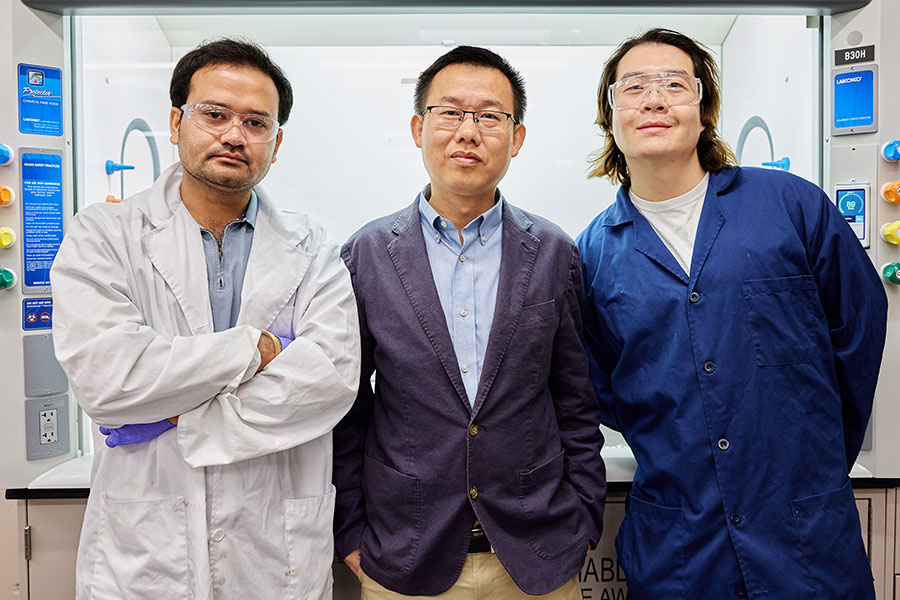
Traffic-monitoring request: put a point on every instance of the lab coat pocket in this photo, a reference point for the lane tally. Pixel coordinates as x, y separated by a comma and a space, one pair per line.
650, 546
555, 519
310, 546
142, 550
829, 545
782, 313
393, 512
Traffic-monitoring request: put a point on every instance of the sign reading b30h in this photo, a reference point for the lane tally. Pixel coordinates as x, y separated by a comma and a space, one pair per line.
40, 100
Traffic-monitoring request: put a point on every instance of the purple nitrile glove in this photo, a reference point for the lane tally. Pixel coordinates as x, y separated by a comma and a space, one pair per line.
135, 434
284, 341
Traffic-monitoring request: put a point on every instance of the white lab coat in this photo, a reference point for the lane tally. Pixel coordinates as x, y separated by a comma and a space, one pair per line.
236, 501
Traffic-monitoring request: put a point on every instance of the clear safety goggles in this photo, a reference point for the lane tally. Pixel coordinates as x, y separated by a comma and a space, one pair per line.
218, 120
450, 117
677, 89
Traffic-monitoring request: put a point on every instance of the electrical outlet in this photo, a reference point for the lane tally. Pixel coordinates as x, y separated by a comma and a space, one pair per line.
49, 426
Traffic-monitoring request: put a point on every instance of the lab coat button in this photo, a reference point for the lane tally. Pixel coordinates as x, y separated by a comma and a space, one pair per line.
740, 591
724, 444
709, 366
473, 492
218, 535
736, 519
473, 430
695, 297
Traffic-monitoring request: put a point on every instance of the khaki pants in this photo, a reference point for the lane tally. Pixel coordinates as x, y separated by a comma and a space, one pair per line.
482, 578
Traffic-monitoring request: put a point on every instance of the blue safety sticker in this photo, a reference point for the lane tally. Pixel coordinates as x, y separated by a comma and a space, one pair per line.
37, 313
40, 100
42, 215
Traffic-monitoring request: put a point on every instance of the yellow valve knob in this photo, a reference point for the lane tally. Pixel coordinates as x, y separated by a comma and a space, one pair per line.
891, 232
7, 195
7, 237
891, 192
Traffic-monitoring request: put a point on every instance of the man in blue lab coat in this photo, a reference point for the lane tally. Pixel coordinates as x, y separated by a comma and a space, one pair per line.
735, 327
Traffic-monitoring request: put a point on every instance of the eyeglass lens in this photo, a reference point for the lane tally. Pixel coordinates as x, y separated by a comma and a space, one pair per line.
675, 88
449, 117
218, 120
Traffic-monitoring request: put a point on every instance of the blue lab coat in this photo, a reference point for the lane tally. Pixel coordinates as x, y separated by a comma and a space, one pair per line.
744, 390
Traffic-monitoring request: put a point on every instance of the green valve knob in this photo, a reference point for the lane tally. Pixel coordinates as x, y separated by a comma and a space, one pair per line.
7, 279
891, 272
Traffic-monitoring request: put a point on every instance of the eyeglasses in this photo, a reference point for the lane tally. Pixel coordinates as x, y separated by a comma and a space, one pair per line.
218, 120
677, 89
450, 117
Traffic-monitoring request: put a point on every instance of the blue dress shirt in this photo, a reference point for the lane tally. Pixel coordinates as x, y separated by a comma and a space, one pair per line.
466, 276
226, 263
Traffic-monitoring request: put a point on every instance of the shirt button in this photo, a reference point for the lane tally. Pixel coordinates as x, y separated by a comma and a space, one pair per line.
740, 591
437, 236
736, 519
443, 223
473, 492
462, 258
695, 297
465, 368
463, 312
484, 238
724, 444
218, 535
709, 366
473, 430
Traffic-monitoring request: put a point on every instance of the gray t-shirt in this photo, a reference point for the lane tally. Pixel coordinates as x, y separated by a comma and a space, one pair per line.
675, 220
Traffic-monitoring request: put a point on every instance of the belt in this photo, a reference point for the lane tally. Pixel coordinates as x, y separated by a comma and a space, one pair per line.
478, 542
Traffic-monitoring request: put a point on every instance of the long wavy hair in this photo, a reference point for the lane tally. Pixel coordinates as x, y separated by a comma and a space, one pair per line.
713, 152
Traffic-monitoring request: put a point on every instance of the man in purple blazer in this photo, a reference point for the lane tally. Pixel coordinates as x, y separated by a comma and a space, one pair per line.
473, 469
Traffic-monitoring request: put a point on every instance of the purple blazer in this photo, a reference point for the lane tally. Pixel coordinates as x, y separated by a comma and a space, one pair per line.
414, 465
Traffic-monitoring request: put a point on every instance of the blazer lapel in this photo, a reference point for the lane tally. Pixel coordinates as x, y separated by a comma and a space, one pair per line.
410, 257
519, 251
276, 266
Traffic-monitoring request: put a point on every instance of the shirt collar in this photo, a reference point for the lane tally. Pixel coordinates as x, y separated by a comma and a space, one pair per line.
488, 222
252, 210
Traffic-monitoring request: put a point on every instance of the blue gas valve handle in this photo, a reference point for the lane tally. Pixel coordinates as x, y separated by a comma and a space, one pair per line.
112, 167
891, 150
784, 164
6, 154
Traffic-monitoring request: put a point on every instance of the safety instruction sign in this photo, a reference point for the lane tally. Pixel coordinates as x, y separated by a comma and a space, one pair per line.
42, 215
40, 100
37, 313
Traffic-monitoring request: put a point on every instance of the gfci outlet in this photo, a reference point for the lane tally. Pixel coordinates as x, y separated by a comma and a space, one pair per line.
48, 426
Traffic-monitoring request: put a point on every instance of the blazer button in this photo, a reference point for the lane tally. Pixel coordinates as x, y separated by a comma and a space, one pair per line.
694, 297
473, 492
709, 366
473, 430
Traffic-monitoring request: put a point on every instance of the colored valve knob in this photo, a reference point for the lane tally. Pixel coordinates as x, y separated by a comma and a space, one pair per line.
891, 233
891, 151
891, 192
7, 237
7, 154
7, 279
7, 195
891, 272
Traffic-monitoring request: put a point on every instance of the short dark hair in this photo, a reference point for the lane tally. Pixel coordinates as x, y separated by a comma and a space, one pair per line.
230, 51
713, 152
476, 57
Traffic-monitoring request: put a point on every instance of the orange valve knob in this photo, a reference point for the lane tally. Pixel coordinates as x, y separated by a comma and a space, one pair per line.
891, 192
7, 195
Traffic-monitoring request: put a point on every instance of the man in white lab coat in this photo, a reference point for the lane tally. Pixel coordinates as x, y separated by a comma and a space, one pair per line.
174, 307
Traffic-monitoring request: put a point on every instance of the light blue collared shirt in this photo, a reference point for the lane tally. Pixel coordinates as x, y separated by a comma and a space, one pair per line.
466, 276
226, 263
